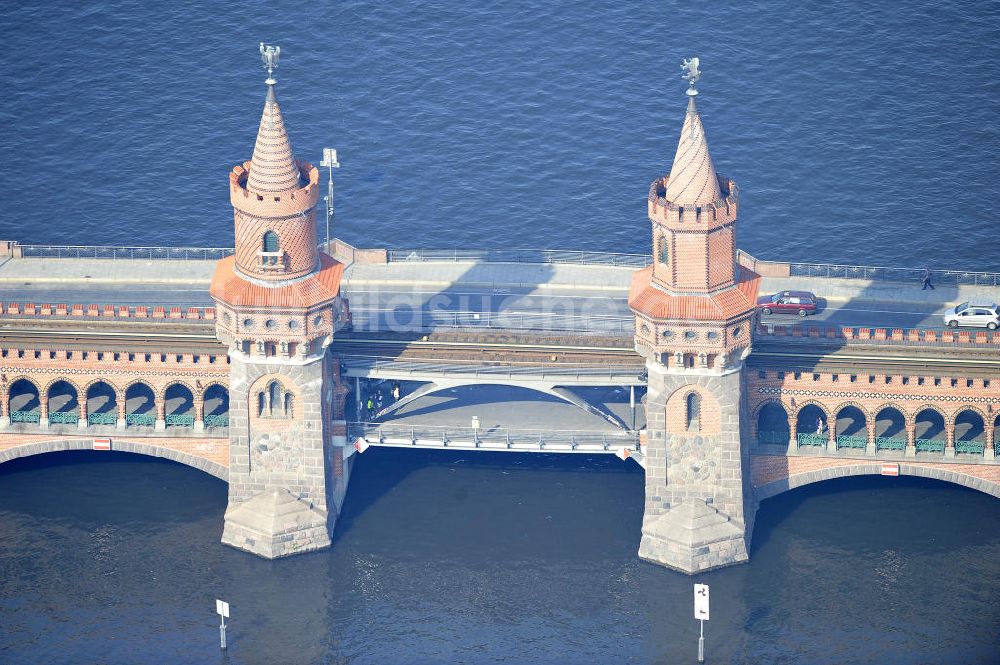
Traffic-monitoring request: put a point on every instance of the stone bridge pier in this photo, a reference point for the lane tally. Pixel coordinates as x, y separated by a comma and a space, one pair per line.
289, 458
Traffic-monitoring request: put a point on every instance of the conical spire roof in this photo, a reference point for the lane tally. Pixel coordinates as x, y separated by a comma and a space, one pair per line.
692, 176
272, 168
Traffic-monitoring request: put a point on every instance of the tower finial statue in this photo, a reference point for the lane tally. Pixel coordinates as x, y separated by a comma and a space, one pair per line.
691, 74
269, 56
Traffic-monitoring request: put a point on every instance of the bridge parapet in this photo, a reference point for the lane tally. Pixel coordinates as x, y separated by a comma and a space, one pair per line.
97, 311
872, 335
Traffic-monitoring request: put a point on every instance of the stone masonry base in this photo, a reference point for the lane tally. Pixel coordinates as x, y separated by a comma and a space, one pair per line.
276, 524
692, 537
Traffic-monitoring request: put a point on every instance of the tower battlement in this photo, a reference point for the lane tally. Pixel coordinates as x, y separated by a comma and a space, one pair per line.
273, 204
683, 216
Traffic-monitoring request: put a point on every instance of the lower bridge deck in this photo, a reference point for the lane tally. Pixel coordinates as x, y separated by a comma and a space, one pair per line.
493, 439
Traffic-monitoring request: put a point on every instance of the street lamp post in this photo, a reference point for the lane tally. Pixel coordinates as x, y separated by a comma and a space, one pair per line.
331, 163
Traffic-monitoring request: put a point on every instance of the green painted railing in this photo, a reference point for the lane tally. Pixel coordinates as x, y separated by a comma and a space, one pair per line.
179, 420
221, 420
812, 439
972, 447
24, 416
148, 419
888, 443
929, 446
852, 441
772, 437
109, 418
64, 417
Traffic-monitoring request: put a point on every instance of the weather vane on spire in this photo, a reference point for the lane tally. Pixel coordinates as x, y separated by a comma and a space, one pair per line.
269, 56
691, 74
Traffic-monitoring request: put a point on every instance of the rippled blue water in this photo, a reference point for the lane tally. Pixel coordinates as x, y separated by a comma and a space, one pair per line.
861, 133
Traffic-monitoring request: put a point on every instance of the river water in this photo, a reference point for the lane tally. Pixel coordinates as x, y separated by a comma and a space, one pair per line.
862, 133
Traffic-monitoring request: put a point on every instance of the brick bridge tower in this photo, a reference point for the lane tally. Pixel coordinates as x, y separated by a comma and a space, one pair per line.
278, 307
694, 310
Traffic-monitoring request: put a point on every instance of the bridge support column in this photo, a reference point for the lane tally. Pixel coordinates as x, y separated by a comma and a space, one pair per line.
949, 449
287, 472
831, 440
911, 441
43, 412
81, 423
199, 413
4, 415
699, 509
793, 435
120, 407
160, 424
989, 451
870, 448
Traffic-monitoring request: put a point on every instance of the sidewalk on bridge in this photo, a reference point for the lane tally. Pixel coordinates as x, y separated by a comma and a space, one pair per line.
105, 271
493, 275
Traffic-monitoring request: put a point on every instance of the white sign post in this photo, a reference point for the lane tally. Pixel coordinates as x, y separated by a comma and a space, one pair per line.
701, 613
222, 609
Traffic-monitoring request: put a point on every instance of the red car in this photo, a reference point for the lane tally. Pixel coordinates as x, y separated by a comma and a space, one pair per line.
788, 302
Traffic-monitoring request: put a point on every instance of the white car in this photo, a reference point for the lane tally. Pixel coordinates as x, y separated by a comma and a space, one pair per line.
979, 313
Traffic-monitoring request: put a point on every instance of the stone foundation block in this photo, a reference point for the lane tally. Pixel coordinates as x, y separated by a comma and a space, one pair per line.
692, 537
276, 524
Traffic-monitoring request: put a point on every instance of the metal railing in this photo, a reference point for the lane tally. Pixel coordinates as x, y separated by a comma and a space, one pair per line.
140, 419
179, 420
389, 365
772, 437
812, 439
124, 253
64, 418
110, 418
929, 446
494, 438
425, 320
219, 420
887, 274
521, 256
25, 416
889, 443
844, 441
970, 447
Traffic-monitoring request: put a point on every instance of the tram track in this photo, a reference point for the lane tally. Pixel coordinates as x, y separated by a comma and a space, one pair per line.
500, 348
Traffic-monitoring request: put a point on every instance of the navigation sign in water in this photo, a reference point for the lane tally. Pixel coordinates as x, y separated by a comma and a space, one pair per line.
222, 609
701, 613
701, 602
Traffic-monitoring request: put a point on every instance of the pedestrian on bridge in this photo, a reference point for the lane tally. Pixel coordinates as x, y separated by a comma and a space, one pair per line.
819, 425
395, 392
370, 405
927, 280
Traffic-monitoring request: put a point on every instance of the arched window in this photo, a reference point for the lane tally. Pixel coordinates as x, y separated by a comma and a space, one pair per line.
270, 241
260, 404
288, 405
694, 412
663, 252
269, 249
274, 395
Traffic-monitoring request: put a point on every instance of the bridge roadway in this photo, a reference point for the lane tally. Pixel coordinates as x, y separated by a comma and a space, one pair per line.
431, 295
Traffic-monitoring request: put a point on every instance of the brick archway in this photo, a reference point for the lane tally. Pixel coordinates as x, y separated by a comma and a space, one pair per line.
956, 474
136, 447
